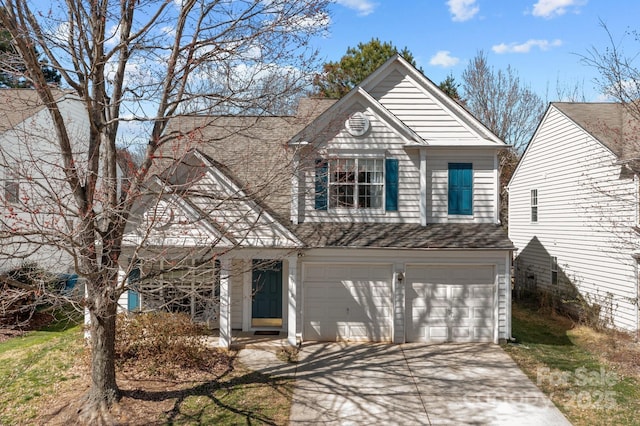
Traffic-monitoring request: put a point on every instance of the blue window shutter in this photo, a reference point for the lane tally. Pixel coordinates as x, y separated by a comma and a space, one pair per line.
133, 299
460, 188
391, 184
322, 169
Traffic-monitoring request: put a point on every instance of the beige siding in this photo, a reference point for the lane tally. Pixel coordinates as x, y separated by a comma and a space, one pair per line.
586, 208
419, 110
386, 144
484, 185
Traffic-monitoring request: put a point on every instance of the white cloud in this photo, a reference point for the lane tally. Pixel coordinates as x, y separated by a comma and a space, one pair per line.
444, 59
363, 7
526, 46
463, 10
552, 8
112, 36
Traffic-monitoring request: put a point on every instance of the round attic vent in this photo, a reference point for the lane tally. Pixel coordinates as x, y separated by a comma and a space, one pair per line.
357, 124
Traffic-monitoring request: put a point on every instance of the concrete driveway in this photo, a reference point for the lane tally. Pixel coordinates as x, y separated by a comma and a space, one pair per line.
413, 384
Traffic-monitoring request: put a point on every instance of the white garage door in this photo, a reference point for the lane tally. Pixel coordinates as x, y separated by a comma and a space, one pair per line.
347, 302
450, 303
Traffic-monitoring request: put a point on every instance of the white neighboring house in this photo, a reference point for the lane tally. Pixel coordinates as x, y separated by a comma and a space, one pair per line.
573, 211
376, 220
35, 214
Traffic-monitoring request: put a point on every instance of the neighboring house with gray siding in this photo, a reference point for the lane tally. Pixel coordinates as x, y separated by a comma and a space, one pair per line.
370, 218
573, 211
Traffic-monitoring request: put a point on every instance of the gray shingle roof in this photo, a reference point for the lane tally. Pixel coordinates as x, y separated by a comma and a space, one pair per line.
252, 148
609, 123
16, 105
414, 236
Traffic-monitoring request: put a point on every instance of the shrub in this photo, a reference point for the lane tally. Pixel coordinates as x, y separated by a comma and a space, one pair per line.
161, 343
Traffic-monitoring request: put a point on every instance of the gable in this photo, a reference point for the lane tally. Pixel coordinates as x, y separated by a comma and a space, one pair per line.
558, 143
422, 106
420, 110
410, 104
208, 207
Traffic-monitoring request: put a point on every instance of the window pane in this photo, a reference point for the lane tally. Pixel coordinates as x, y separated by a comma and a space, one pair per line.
370, 196
362, 178
11, 191
341, 196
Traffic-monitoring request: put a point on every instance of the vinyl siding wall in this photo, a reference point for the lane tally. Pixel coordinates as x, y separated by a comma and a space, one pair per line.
403, 96
382, 141
31, 149
586, 208
484, 185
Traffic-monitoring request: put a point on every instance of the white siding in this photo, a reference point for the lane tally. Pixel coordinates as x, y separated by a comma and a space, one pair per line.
237, 296
31, 152
484, 186
586, 208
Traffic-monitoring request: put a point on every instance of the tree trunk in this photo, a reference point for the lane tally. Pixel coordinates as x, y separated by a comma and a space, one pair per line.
104, 391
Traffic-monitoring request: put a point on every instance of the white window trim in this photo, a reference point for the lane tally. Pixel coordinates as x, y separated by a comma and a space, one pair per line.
363, 210
532, 205
7, 193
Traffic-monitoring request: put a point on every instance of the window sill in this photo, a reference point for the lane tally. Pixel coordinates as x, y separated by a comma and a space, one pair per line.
358, 212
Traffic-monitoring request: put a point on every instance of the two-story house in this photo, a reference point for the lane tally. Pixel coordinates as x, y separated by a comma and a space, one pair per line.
371, 218
573, 212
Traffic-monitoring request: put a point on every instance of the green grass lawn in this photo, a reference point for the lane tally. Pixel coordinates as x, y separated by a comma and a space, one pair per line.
44, 372
32, 366
570, 365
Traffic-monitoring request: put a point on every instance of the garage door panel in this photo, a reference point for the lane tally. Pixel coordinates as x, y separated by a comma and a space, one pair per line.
458, 333
483, 313
450, 303
483, 333
360, 301
459, 313
481, 292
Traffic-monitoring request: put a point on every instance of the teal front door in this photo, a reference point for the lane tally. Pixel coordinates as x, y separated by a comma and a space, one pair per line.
266, 310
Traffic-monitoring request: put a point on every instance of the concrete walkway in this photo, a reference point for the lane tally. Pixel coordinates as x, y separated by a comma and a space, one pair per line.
411, 384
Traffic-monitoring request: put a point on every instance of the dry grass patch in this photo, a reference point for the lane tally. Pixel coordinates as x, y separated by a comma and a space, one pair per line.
592, 376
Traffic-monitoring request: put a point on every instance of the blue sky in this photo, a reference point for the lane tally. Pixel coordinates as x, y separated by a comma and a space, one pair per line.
540, 39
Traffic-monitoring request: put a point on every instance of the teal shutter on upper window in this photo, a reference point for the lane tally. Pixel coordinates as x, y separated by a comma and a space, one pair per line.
322, 183
460, 188
391, 184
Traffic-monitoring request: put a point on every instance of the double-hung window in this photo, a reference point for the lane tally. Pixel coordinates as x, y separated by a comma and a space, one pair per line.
357, 184
11, 191
534, 205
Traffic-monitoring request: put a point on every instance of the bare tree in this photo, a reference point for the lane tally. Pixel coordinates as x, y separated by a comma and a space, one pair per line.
134, 63
501, 101
508, 108
619, 72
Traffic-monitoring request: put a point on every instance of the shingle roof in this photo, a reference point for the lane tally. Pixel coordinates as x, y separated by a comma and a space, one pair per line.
16, 105
413, 236
252, 148
609, 123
